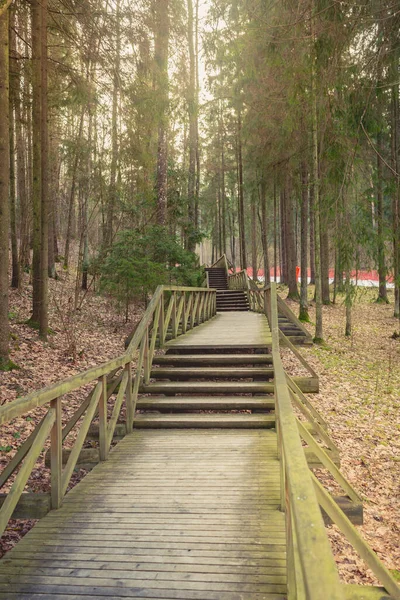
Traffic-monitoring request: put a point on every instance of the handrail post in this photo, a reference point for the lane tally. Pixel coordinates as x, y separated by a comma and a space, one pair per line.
184, 313
129, 400
103, 445
161, 323
173, 319
56, 455
146, 364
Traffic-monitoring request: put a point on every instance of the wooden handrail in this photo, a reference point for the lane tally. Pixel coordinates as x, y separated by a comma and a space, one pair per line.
311, 567
187, 307
221, 262
308, 544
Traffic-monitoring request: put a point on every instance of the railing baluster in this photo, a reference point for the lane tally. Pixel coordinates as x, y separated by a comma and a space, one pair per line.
103, 445
56, 454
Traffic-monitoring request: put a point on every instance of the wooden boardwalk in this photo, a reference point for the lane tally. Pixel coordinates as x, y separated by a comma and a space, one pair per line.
187, 506
226, 330
174, 515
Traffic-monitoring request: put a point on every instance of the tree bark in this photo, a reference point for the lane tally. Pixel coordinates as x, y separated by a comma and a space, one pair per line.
303, 315
112, 192
382, 295
282, 231
192, 110
264, 230
254, 262
4, 188
13, 99
312, 236
395, 163
275, 236
161, 60
242, 230
44, 225
291, 261
36, 157
314, 112
72, 192
325, 262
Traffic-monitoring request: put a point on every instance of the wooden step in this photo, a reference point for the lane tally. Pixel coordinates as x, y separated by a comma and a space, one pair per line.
216, 420
211, 372
208, 387
231, 308
213, 359
163, 403
306, 384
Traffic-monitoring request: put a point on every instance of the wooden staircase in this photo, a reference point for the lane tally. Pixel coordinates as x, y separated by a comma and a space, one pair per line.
232, 300
217, 278
202, 389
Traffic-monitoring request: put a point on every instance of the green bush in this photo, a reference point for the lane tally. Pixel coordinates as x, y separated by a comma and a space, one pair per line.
138, 262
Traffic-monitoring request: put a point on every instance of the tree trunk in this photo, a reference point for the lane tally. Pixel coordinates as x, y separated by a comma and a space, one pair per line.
44, 216
283, 261
36, 157
242, 230
72, 192
318, 291
197, 187
4, 188
222, 179
264, 230
23, 164
161, 66
291, 261
325, 262
254, 262
112, 193
312, 236
53, 171
303, 315
395, 160
348, 302
382, 295
13, 95
275, 236
192, 110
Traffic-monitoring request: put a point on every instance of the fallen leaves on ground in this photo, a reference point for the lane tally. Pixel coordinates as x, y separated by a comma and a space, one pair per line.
78, 339
360, 398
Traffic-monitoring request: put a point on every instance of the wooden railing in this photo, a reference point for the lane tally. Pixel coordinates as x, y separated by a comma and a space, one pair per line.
239, 281
171, 311
311, 570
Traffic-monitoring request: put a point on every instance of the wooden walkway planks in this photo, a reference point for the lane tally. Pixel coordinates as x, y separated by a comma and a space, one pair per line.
182, 514
231, 329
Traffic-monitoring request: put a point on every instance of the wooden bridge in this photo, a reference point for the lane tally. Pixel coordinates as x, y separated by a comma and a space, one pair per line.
203, 454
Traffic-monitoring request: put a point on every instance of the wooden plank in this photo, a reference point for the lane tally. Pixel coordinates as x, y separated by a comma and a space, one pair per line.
30, 505
201, 372
213, 359
214, 420
206, 403
209, 531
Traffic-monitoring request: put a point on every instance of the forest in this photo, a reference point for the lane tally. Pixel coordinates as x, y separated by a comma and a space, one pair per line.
269, 129
140, 141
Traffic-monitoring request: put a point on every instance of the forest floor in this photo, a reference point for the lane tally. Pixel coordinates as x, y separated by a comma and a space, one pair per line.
77, 341
360, 399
